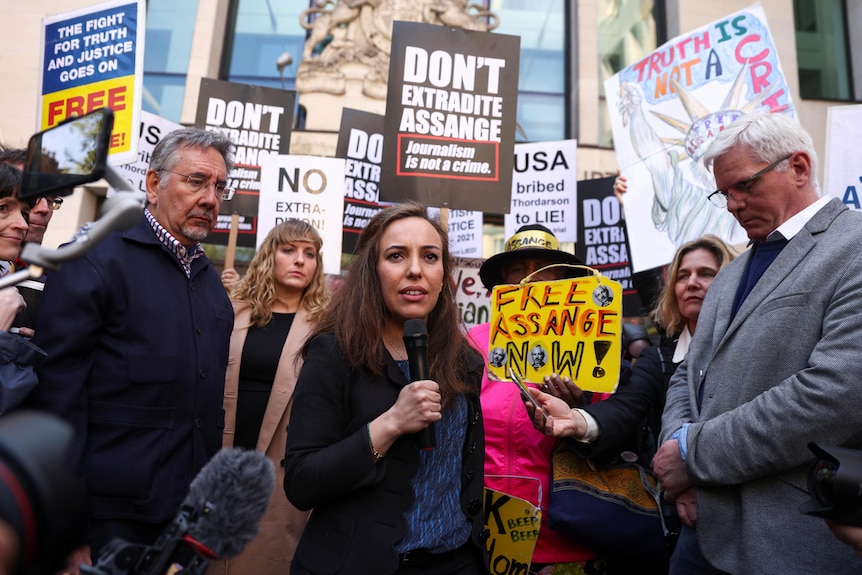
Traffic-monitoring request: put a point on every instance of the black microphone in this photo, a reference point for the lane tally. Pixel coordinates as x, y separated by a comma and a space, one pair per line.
218, 517
416, 342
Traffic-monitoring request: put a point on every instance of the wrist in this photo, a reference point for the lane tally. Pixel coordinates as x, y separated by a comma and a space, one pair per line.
374, 453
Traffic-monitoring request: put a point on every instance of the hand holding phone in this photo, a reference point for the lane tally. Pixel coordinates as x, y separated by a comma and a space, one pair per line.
514, 376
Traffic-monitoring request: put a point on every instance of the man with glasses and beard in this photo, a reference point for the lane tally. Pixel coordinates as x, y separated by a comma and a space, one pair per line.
136, 334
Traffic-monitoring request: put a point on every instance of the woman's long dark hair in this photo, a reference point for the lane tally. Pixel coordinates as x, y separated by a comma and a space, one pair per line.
357, 315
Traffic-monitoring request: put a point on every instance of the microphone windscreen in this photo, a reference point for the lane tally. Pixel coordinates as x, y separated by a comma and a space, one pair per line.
230, 494
415, 328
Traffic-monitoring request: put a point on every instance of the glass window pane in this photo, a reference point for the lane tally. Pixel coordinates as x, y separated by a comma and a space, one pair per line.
166, 58
262, 31
627, 32
821, 49
541, 117
541, 24
163, 94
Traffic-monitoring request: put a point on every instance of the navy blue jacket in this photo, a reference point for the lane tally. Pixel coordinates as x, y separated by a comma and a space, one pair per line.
136, 358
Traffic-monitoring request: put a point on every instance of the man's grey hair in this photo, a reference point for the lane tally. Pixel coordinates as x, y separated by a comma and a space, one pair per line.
166, 153
769, 136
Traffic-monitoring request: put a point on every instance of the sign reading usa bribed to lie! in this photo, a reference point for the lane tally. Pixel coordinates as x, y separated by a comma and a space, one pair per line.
94, 58
450, 117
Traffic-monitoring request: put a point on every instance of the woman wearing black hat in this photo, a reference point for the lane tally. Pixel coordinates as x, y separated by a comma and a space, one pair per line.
516, 454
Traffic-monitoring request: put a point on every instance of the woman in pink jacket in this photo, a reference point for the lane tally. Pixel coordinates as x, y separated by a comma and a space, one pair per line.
517, 456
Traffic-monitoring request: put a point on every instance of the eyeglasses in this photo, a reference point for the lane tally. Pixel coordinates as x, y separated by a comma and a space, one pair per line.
54, 202
199, 184
741, 190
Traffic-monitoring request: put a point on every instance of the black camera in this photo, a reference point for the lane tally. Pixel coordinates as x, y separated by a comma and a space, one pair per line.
835, 485
40, 499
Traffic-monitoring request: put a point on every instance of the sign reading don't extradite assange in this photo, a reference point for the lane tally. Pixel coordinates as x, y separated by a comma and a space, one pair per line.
570, 327
450, 117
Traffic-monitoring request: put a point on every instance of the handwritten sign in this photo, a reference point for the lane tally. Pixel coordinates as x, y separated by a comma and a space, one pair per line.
570, 327
665, 111
474, 302
514, 527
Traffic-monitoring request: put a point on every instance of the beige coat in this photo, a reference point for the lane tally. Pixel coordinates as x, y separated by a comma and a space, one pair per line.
272, 550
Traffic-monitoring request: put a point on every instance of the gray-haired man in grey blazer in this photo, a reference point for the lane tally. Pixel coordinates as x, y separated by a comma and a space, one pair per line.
774, 364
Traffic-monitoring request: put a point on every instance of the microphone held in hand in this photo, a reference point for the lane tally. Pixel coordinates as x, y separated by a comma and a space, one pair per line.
416, 343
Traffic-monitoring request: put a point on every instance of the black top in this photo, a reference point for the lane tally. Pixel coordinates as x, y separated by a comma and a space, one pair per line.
260, 356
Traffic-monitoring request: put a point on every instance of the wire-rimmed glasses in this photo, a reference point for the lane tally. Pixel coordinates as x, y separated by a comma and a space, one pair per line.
198, 183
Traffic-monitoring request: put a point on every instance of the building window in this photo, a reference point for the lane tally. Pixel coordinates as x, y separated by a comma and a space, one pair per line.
166, 57
541, 24
628, 30
822, 50
259, 34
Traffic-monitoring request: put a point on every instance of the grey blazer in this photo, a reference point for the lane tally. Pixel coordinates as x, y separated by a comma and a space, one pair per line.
786, 371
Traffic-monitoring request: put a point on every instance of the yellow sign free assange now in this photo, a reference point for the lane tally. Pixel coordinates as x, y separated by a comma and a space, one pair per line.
572, 327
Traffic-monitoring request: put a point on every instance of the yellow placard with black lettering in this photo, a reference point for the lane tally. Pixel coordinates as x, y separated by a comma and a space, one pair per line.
513, 524
572, 327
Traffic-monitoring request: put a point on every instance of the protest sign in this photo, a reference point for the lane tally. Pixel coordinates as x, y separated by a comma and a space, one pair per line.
843, 169
513, 525
307, 188
360, 143
450, 117
474, 301
665, 111
258, 121
544, 189
465, 231
153, 129
570, 327
602, 242
94, 58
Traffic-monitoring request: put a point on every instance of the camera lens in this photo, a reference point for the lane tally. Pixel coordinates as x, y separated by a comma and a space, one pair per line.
824, 474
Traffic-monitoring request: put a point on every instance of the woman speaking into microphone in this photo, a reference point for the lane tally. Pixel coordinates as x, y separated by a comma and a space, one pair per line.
380, 503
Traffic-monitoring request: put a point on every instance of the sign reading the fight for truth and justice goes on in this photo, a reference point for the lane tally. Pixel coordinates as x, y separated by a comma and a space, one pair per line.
571, 327
450, 117
94, 58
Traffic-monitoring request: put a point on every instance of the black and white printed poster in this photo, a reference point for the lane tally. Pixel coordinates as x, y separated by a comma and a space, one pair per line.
602, 241
450, 117
258, 121
360, 143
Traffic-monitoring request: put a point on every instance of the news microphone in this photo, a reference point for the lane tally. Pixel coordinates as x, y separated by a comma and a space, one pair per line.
218, 517
416, 343
231, 493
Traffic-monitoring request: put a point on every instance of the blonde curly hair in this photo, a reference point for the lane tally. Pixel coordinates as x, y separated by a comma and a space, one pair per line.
257, 287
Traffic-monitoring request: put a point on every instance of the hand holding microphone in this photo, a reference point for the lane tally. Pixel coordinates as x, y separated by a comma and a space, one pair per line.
416, 343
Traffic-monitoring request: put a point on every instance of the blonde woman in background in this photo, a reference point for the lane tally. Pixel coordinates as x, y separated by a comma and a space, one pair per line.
276, 304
